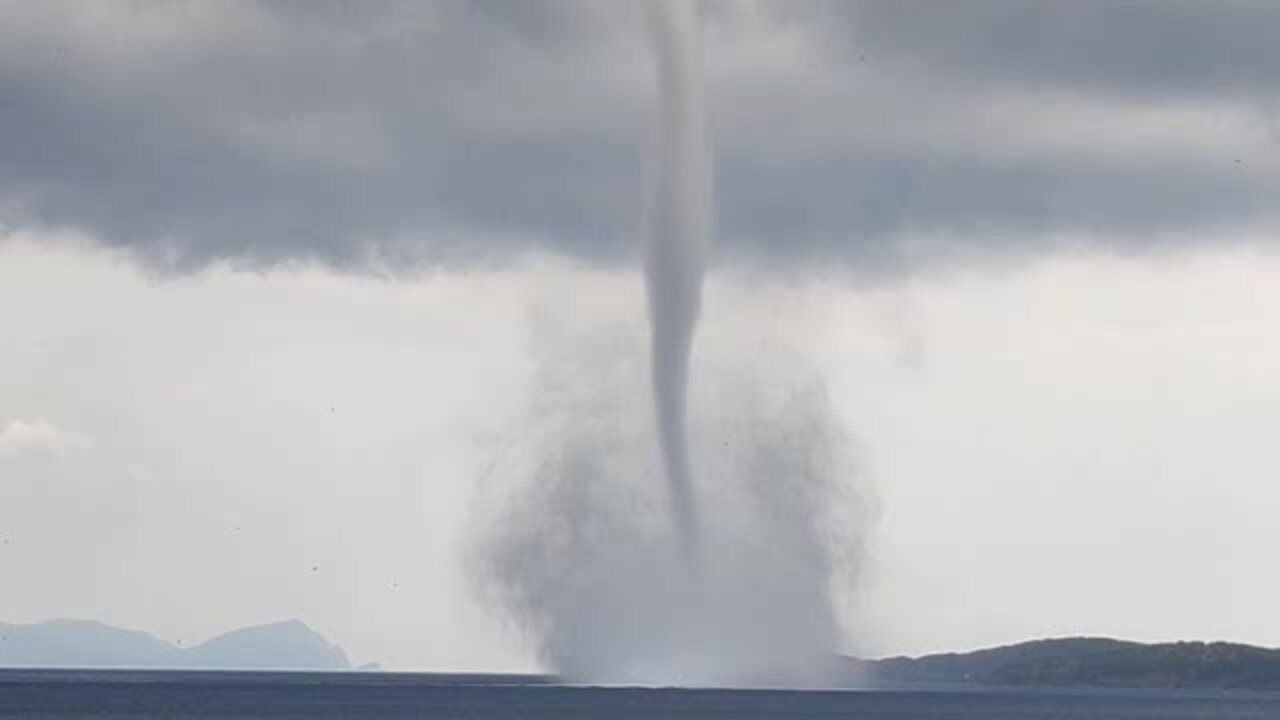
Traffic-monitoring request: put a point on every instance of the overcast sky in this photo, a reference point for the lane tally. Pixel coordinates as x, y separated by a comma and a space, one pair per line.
276, 280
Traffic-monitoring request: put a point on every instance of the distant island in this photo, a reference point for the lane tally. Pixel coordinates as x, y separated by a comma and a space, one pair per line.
289, 645
1088, 662
1063, 662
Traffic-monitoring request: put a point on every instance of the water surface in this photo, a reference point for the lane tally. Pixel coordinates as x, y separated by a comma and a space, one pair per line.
134, 694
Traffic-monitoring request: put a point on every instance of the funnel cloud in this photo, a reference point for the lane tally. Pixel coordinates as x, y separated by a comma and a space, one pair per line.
678, 243
585, 558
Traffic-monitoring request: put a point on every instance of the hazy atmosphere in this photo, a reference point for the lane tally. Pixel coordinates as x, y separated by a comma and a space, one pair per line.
297, 300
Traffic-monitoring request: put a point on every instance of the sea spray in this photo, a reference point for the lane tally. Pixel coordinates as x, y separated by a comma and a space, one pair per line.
573, 536
679, 237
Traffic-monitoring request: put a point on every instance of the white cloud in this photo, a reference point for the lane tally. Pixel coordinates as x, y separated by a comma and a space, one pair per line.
1080, 446
37, 436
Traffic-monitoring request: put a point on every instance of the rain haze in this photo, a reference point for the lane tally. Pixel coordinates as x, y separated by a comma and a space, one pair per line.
297, 300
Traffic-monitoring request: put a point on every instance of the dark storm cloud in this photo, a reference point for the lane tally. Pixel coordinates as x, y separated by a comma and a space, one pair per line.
262, 133
402, 133
1129, 47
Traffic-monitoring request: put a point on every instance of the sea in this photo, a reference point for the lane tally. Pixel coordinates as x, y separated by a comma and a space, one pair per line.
204, 694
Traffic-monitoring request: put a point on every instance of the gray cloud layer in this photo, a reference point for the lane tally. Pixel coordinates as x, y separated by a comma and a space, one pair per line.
445, 131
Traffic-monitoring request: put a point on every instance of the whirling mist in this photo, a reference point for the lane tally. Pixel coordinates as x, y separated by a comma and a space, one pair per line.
678, 243
590, 533
575, 541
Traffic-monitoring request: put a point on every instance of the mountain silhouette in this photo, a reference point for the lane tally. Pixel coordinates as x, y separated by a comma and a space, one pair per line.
288, 645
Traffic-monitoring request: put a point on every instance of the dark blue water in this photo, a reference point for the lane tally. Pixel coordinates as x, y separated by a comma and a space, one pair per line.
128, 694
